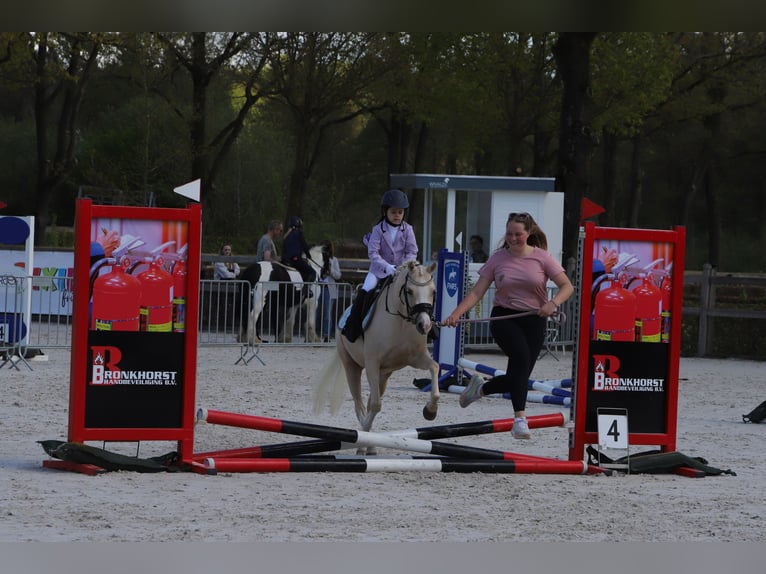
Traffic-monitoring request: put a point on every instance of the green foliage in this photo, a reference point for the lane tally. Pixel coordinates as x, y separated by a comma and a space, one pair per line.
632, 74
486, 103
17, 157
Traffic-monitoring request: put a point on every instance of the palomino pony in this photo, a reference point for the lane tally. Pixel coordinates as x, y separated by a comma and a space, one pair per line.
395, 337
280, 289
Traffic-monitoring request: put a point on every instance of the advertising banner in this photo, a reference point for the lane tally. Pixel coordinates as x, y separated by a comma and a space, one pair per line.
448, 347
631, 283
134, 324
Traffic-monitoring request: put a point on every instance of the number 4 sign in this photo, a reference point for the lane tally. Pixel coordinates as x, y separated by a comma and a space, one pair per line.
612, 428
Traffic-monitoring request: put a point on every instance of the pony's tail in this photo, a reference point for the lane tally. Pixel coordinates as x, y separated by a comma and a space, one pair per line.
330, 384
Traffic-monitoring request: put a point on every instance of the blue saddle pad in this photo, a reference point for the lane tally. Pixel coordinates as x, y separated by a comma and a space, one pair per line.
365, 320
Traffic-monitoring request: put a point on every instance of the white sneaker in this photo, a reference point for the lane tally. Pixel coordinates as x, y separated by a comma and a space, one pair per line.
520, 428
472, 392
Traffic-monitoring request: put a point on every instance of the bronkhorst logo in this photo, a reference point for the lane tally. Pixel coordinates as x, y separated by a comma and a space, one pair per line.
105, 370
606, 377
451, 275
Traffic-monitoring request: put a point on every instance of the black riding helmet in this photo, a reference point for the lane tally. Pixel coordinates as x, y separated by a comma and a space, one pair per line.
296, 221
394, 198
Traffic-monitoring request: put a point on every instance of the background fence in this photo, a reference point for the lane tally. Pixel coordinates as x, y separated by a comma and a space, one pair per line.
724, 315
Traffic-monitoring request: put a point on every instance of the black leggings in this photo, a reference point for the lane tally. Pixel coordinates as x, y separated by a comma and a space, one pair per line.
521, 339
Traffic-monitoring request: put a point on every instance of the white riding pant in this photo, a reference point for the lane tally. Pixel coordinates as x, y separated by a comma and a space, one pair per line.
370, 282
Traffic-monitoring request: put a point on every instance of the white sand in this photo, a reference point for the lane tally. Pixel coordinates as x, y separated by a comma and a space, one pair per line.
40, 504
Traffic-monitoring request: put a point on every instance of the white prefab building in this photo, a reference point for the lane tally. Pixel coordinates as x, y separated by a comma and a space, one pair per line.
479, 205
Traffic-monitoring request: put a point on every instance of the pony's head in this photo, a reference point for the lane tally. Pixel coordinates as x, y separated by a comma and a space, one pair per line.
417, 289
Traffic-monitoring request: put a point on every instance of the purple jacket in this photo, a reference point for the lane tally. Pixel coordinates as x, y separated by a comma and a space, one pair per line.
382, 252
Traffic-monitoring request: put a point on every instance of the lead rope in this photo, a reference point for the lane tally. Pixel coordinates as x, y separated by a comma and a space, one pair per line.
557, 317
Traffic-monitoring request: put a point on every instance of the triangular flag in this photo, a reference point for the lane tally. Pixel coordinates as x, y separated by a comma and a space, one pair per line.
190, 190
589, 209
459, 239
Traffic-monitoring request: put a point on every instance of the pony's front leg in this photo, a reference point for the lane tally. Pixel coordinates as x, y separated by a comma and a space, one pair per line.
432, 406
376, 381
373, 408
311, 307
289, 326
354, 380
258, 300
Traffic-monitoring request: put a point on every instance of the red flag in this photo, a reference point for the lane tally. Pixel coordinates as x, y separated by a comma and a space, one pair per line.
3, 205
589, 209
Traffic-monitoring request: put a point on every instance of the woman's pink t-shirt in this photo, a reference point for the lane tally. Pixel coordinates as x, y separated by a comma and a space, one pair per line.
520, 281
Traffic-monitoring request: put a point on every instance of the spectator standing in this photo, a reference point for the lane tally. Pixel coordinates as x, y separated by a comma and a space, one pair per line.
329, 276
266, 250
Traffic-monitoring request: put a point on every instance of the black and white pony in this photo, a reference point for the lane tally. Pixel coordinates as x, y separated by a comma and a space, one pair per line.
279, 295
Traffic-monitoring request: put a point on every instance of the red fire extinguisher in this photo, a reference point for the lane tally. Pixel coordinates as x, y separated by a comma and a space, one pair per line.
156, 299
666, 289
179, 297
614, 314
116, 301
648, 309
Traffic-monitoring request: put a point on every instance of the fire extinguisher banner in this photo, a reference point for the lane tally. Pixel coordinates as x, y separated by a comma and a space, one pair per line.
134, 339
629, 333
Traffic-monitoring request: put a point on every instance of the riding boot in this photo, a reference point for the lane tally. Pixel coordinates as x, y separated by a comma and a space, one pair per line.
353, 327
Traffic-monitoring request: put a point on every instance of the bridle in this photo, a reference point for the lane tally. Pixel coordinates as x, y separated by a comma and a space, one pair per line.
412, 310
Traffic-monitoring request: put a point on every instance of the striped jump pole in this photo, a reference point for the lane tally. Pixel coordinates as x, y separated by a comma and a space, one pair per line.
531, 398
547, 399
544, 387
281, 450
479, 427
286, 450
369, 439
373, 464
553, 386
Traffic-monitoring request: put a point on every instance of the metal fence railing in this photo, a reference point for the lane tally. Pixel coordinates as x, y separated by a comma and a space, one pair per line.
13, 332
224, 305
225, 312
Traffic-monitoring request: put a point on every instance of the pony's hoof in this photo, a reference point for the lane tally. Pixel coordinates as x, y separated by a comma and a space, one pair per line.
429, 415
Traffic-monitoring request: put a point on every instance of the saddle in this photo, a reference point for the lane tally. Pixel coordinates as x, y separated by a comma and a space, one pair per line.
370, 301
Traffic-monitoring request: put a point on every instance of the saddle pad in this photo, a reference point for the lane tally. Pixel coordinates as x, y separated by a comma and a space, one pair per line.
365, 320
295, 276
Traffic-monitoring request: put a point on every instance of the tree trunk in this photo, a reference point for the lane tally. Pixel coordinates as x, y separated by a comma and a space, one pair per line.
572, 54
636, 183
200, 77
713, 124
299, 176
64, 96
609, 178
42, 191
